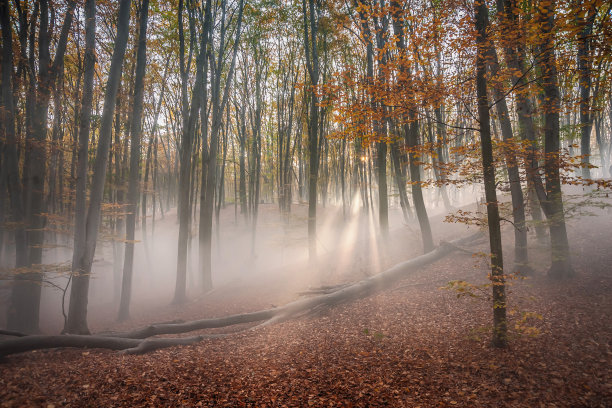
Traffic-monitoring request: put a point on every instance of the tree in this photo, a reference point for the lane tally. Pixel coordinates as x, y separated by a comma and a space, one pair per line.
134, 178
9, 167
25, 297
312, 17
521, 259
497, 260
219, 100
584, 63
551, 197
190, 117
84, 254
411, 131
380, 125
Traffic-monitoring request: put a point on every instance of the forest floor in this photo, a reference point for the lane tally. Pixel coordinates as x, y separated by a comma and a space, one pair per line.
416, 344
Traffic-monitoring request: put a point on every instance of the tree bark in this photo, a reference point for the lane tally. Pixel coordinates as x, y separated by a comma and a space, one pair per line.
584, 85
10, 158
128, 346
400, 179
311, 26
521, 259
84, 254
189, 130
25, 297
495, 240
134, 178
411, 134
152, 151
552, 199
219, 100
515, 57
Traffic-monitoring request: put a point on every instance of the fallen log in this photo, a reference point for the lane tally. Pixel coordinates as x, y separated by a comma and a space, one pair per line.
185, 327
322, 290
12, 333
137, 341
128, 346
343, 294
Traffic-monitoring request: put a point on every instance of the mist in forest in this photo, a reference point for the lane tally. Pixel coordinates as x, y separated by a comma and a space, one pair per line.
275, 258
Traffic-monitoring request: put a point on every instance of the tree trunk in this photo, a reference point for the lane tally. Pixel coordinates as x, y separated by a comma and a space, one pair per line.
311, 22
439, 162
584, 85
25, 297
152, 145
134, 178
521, 260
553, 208
189, 128
84, 252
119, 225
219, 100
497, 262
241, 134
382, 26
515, 56
411, 134
10, 158
412, 141
56, 144
129, 346
400, 179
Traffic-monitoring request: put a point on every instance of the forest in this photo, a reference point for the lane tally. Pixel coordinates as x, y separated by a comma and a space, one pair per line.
306, 203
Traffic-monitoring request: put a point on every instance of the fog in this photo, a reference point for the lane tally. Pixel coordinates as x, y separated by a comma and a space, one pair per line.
349, 248
276, 269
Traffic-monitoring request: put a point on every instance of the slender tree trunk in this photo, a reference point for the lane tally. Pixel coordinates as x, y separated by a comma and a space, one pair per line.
80, 228
56, 145
221, 182
85, 250
411, 133
584, 84
400, 179
382, 26
152, 142
219, 100
189, 128
256, 146
383, 201
25, 298
439, 162
515, 56
10, 157
311, 23
118, 226
521, 259
598, 122
342, 178
134, 178
417, 191
242, 166
497, 264
289, 154
560, 256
